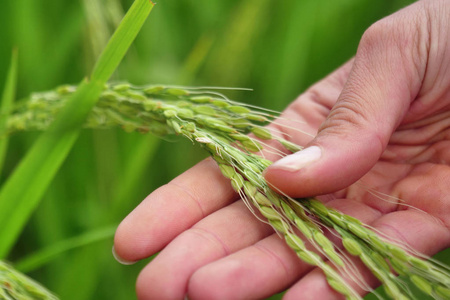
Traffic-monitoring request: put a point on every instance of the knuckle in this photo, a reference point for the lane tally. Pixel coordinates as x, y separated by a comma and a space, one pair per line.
348, 114
351, 120
349, 111
208, 237
377, 33
400, 31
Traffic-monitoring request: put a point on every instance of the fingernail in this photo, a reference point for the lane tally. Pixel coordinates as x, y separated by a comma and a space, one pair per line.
298, 160
120, 259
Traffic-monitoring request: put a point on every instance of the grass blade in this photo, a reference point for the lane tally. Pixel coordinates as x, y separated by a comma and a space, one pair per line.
9, 92
121, 40
40, 258
23, 190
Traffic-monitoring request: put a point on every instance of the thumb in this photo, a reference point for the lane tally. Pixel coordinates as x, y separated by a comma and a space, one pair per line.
385, 78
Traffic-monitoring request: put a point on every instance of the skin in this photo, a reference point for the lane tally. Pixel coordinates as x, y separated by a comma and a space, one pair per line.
382, 121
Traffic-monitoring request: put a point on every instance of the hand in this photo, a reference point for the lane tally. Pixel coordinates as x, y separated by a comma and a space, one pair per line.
389, 130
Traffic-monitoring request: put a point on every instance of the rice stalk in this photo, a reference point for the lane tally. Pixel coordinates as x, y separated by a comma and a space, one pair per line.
221, 127
16, 286
361, 241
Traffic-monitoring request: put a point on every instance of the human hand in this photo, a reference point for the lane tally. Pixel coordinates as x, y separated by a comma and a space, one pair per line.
389, 129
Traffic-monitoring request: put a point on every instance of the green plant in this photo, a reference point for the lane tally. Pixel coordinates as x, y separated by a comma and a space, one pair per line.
16, 286
221, 127
279, 67
41, 163
39, 166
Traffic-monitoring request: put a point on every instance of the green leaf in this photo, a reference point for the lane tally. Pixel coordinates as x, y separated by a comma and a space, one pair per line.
40, 258
24, 189
9, 93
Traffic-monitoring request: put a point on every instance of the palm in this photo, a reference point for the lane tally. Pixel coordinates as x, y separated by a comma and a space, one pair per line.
416, 158
405, 195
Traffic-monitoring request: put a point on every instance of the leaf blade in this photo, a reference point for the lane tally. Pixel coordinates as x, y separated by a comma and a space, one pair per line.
9, 93
22, 192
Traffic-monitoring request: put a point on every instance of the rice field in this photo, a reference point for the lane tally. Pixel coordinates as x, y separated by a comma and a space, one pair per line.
276, 48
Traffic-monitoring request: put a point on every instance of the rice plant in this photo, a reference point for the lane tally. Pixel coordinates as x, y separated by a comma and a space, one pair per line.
16, 286
222, 128
316, 41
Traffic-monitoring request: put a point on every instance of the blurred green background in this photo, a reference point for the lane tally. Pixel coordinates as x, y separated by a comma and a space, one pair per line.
278, 48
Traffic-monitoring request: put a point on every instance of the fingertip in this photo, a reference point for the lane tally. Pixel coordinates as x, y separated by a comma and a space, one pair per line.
135, 237
121, 250
299, 160
283, 175
121, 260
330, 164
281, 181
200, 287
156, 281
143, 289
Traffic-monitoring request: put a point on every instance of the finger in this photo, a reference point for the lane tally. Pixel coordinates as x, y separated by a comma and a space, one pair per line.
385, 78
301, 119
256, 272
412, 228
427, 130
171, 209
218, 235
313, 286
260, 270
